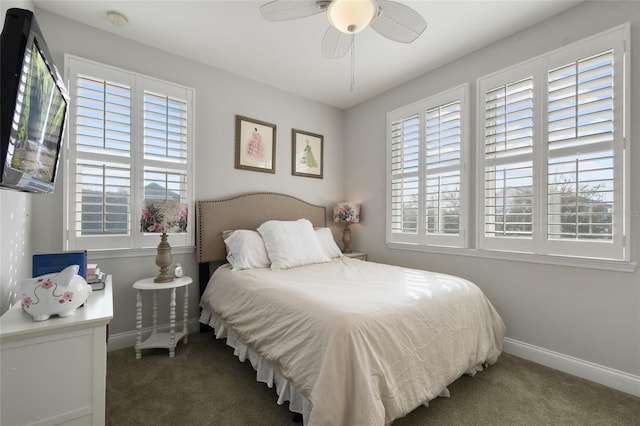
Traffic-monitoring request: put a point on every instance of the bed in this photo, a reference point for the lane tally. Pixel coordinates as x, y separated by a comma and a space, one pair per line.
344, 341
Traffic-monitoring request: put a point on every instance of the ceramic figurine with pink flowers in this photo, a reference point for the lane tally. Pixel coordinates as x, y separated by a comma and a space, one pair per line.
54, 294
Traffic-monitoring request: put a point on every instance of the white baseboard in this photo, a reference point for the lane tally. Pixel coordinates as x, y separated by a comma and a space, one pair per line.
128, 338
606, 376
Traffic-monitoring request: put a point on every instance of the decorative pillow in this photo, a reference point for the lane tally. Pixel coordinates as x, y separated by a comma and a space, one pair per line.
291, 243
245, 249
328, 244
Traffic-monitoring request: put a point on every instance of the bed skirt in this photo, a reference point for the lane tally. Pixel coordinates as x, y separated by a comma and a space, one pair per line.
270, 375
265, 373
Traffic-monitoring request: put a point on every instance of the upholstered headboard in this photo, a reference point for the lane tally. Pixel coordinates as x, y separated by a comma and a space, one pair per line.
247, 211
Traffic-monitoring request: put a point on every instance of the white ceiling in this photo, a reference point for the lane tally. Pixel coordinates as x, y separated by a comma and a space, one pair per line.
232, 35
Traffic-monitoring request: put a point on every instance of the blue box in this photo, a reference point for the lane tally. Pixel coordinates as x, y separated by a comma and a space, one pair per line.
49, 263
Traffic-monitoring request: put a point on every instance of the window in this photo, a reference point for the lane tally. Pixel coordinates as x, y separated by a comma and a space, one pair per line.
553, 167
130, 140
550, 161
508, 130
427, 152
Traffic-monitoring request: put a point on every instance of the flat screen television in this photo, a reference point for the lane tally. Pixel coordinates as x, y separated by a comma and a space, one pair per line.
34, 105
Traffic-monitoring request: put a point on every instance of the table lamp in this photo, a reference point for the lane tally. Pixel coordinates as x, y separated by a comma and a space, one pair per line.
346, 212
163, 217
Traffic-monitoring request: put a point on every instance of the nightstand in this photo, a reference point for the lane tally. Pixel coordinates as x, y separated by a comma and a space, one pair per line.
168, 340
356, 255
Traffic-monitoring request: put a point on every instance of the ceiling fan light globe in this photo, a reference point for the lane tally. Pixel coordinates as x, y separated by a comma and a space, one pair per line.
351, 16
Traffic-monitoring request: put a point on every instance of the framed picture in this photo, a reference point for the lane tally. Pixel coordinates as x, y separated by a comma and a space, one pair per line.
255, 145
307, 154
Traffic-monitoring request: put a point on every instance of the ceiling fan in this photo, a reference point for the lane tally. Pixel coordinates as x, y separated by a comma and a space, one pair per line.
390, 19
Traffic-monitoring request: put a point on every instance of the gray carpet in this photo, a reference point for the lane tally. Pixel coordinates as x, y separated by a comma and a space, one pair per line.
205, 384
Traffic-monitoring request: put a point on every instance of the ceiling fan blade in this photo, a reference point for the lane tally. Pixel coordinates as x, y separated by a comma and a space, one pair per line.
335, 44
398, 22
282, 10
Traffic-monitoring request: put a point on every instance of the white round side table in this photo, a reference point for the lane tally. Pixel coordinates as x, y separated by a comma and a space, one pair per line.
162, 340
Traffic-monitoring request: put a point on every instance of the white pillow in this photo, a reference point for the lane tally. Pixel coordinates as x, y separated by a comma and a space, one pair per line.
328, 244
291, 243
245, 250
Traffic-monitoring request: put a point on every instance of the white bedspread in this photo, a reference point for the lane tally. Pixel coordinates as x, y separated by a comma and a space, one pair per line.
366, 343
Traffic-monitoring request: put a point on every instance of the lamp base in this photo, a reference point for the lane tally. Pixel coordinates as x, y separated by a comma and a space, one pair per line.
346, 238
163, 260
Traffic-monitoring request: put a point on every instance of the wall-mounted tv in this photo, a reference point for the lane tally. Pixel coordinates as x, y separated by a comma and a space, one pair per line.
34, 105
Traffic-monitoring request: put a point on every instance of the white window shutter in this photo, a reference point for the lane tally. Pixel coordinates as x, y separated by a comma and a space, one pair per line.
443, 173
587, 164
427, 171
166, 118
581, 152
130, 138
508, 164
99, 189
103, 110
405, 159
165, 128
555, 168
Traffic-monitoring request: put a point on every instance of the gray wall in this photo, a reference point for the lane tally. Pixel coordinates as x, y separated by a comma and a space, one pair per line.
219, 96
588, 314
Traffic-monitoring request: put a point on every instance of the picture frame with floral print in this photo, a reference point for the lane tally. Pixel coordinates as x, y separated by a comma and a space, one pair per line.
307, 154
255, 145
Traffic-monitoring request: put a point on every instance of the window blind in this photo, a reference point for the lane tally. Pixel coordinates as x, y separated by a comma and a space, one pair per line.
103, 110
405, 156
443, 156
581, 152
163, 185
102, 178
103, 198
427, 160
165, 128
552, 166
165, 148
130, 138
555, 163
508, 172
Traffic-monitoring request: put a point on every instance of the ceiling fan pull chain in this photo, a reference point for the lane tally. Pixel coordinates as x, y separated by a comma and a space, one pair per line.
353, 61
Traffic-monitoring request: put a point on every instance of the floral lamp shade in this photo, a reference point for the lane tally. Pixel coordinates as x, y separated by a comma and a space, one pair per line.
163, 217
346, 212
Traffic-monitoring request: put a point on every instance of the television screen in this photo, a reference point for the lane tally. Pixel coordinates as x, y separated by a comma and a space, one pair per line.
38, 120
34, 107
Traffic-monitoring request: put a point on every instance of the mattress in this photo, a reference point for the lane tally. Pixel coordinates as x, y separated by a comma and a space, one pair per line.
365, 343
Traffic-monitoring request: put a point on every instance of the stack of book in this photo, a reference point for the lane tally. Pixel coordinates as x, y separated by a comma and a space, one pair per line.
95, 277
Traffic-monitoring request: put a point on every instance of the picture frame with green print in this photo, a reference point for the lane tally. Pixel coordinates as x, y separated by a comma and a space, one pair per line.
307, 154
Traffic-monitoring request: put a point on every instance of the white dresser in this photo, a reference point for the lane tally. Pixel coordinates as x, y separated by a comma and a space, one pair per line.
54, 371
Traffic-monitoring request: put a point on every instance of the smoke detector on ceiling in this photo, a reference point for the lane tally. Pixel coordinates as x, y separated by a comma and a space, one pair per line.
117, 18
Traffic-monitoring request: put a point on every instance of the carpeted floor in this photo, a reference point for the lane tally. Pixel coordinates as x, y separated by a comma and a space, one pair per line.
206, 385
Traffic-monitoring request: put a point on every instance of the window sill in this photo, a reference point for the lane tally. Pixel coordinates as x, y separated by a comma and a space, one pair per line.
576, 262
140, 252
